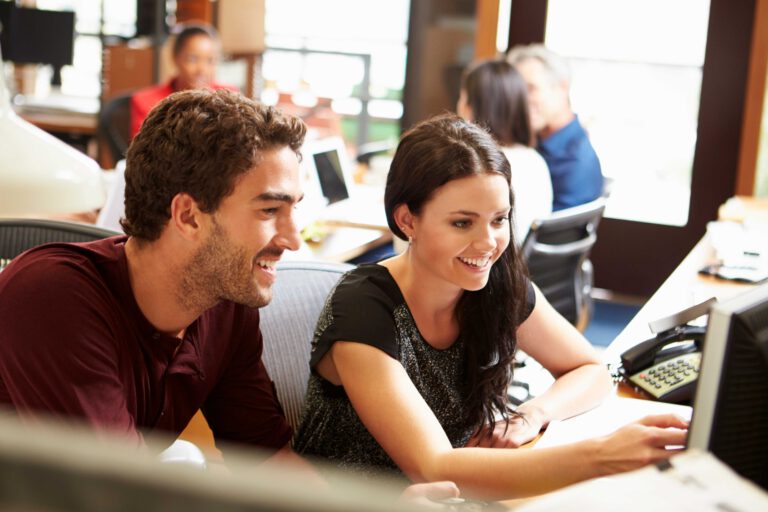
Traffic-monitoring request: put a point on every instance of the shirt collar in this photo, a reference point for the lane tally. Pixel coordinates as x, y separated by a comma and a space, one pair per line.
559, 140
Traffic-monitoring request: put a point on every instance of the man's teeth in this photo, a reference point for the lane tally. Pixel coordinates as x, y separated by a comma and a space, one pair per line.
267, 264
476, 262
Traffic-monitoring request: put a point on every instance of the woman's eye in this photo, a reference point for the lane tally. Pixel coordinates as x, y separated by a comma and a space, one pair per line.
461, 223
500, 221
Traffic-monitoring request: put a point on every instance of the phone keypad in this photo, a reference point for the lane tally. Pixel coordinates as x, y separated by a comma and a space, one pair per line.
669, 375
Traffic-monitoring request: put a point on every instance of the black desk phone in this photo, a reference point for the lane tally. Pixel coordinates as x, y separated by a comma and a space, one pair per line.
667, 365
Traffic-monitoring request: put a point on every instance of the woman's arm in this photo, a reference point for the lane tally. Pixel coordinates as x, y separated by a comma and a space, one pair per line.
394, 412
582, 381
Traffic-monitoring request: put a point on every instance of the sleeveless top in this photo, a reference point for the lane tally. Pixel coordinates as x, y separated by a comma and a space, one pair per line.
367, 306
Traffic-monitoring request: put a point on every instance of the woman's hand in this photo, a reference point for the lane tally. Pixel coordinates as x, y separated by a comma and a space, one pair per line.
521, 430
429, 494
645, 441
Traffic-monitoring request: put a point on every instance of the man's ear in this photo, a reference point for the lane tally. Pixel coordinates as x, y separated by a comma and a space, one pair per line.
404, 219
186, 215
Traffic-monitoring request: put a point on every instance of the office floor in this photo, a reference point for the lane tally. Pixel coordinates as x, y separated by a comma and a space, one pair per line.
608, 320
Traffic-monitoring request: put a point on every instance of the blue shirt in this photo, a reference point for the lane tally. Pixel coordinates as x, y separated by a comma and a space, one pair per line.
573, 166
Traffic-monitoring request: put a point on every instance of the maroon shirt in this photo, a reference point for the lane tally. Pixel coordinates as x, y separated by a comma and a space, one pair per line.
74, 343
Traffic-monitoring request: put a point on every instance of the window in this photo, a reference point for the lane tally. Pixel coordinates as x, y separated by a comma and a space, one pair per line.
761, 174
94, 19
343, 61
636, 68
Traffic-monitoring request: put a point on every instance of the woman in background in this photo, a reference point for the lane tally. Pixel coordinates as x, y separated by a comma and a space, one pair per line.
494, 95
412, 357
195, 53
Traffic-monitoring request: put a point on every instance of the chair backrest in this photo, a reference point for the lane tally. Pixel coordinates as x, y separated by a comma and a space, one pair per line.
114, 125
557, 250
288, 324
18, 235
608, 184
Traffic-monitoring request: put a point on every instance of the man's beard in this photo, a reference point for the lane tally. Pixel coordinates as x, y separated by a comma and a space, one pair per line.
220, 270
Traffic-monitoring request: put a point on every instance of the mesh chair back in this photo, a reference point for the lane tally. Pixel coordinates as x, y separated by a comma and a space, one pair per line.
114, 125
288, 323
557, 250
18, 235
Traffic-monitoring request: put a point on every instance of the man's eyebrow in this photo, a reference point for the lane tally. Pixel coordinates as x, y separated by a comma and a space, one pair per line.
278, 196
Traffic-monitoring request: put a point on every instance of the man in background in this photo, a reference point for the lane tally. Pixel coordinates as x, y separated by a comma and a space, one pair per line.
562, 141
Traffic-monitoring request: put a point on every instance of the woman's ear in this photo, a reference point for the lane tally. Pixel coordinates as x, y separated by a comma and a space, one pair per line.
404, 219
185, 215
462, 106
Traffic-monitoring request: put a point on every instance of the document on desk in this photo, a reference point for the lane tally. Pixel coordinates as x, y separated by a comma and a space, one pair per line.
613, 414
693, 481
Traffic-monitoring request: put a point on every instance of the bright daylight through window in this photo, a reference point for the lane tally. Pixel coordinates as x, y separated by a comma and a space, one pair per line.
636, 90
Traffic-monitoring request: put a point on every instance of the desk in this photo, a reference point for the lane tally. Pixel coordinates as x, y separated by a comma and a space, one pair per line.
343, 243
58, 122
685, 286
77, 125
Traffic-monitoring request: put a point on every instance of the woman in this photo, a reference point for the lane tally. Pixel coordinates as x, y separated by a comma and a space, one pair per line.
494, 95
195, 52
412, 356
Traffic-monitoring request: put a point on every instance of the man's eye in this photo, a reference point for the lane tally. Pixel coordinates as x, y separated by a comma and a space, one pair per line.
270, 211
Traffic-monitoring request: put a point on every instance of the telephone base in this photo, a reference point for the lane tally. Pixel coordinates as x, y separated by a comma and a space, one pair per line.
672, 380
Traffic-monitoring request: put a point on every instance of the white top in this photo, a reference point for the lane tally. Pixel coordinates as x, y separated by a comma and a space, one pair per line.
531, 185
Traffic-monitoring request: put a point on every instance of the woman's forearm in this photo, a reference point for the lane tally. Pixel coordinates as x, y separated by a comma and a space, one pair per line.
495, 474
572, 393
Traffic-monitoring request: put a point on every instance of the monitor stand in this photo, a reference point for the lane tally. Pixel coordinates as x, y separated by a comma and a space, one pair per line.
56, 76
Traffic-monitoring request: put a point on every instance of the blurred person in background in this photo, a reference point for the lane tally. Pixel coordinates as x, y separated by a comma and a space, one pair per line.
494, 95
195, 54
573, 164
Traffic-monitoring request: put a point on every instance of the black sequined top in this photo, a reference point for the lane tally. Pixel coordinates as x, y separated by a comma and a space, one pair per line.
367, 306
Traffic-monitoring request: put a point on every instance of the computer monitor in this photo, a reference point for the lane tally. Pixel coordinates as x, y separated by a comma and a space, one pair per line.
62, 467
37, 36
327, 165
730, 411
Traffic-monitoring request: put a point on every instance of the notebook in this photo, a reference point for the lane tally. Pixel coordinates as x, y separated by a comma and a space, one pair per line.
328, 175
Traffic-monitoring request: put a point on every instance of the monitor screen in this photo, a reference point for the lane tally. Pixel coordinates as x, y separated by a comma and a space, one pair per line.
730, 411
331, 175
36, 36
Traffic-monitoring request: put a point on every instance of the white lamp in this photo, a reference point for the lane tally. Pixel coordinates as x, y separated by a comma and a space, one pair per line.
39, 174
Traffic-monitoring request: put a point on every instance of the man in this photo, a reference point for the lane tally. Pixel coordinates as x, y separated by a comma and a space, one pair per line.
136, 333
562, 141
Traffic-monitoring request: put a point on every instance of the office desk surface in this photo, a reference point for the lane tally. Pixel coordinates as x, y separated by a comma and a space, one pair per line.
344, 243
682, 289
62, 123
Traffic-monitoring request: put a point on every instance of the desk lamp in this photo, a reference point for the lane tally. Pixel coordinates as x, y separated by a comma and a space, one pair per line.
39, 174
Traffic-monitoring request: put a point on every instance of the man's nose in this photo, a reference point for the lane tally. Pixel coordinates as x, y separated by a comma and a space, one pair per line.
288, 236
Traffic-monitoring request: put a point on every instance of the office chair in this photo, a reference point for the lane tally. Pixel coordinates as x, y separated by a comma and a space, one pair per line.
557, 253
114, 125
608, 184
288, 323
18, 235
